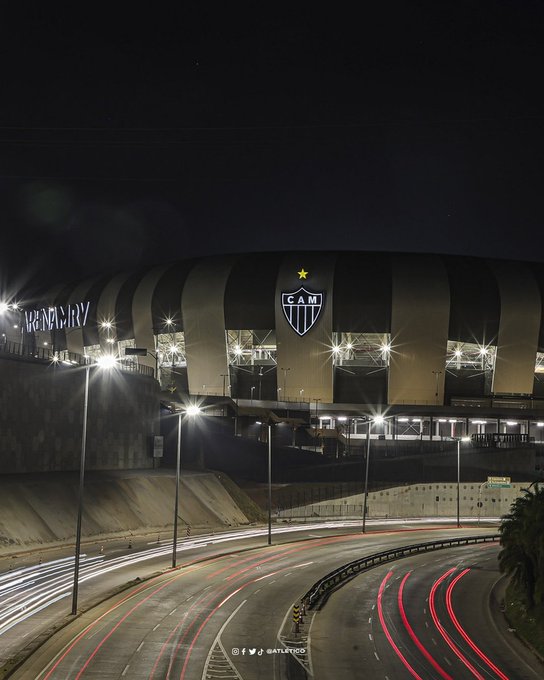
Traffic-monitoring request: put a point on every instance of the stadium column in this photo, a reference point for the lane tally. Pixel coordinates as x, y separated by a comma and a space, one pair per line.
43, 337
519, 325
74, 336
203, 313
420, 311
142, 316
105, 309
307, 359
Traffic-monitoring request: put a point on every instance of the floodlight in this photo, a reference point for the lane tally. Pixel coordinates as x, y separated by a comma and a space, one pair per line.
193, 410
106, 361
379, 420
3, 307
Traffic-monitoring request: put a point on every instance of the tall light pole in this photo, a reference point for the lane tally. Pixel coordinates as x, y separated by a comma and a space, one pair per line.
378, 420
285, 382
437, 374
316, 424
269, 484
106, 361
192, 410
459, 440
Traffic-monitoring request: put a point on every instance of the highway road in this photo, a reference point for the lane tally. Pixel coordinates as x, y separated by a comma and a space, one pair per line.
230, 616
35, 588
428, 616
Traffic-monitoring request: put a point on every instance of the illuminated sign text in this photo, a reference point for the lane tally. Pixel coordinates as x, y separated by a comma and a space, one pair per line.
56, 318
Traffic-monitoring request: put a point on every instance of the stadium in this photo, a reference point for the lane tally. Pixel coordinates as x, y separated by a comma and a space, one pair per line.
445, 345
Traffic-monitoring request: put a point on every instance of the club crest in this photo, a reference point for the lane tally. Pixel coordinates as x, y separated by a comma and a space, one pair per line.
302, 309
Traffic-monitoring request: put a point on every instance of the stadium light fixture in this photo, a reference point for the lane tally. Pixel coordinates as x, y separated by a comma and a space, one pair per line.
4, 307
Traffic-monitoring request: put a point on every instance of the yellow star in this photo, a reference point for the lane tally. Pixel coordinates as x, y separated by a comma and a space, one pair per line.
302, 274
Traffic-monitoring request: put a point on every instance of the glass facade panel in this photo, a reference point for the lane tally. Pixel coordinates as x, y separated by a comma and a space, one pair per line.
170, 348
470, 355
361, 349
251, 348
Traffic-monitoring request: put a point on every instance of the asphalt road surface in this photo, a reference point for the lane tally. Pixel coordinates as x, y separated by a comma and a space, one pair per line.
35, 587
428, 616
230, 617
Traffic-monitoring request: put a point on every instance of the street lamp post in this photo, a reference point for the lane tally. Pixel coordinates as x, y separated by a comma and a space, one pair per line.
285, 382
459, 440
192, 410
269, 484
480, 500
366, 472
176, 502
437, 375
316, 424
378, 420
106, 361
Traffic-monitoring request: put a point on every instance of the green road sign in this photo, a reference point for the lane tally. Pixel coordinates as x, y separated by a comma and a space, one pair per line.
498, 483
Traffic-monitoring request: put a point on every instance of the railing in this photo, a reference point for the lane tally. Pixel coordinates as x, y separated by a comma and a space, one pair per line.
320, 591
45, 354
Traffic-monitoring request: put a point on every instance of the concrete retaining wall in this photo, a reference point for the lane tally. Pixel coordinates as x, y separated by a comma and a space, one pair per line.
41, 416
37, 511
416, 500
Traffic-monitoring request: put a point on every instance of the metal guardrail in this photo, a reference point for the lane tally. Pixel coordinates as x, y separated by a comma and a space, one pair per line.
45, 354
320, 591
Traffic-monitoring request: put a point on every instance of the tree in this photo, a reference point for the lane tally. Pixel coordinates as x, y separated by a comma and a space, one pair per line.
522, 541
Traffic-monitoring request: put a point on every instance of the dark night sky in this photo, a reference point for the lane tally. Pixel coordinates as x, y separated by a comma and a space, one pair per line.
130, 139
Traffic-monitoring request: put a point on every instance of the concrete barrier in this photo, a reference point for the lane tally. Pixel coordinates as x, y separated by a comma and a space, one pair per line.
415, 500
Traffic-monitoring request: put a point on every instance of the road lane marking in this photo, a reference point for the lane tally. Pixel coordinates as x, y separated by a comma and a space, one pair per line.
217, 641
142, 643
154, 629
126, 669
173, 610
376, 655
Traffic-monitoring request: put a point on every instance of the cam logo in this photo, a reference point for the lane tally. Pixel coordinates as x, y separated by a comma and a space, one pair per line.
302, 309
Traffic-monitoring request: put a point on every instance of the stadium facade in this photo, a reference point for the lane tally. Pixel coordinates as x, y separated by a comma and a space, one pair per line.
404, 332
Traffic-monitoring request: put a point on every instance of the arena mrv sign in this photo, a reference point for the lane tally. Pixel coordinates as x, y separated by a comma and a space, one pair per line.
56, 318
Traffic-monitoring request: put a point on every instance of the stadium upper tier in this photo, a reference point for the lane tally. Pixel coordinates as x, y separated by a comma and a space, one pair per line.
330, 326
